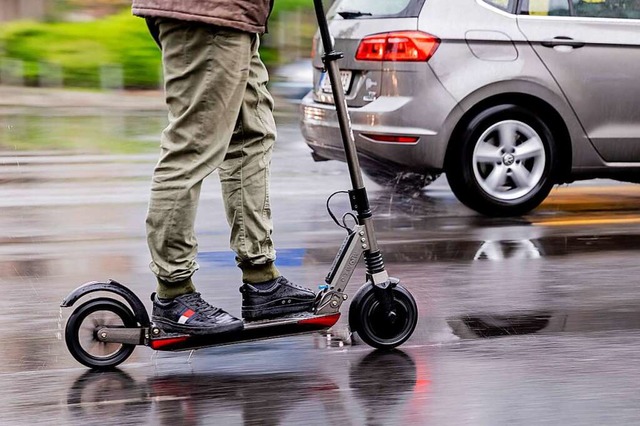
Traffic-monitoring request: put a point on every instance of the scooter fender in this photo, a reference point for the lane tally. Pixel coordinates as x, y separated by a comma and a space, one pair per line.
139, 311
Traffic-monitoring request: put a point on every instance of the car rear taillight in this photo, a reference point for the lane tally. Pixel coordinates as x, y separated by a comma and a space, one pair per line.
401, 46
392, 138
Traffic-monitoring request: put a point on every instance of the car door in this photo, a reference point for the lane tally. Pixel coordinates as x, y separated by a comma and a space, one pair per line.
592, 48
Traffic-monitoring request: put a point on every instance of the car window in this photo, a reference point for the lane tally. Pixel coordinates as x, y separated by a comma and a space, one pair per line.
506, 5
624, 9
545, 7
378, 8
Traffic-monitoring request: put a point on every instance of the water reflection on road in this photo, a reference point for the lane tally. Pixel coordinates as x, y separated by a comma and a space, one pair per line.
368, 394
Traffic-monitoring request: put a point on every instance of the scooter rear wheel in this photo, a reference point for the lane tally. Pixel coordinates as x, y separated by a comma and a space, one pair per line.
81, 333
377, 327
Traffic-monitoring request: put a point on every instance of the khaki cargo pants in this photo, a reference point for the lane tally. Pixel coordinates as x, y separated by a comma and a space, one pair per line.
220, 118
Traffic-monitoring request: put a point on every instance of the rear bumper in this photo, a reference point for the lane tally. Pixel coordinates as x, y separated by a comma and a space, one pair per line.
387, 115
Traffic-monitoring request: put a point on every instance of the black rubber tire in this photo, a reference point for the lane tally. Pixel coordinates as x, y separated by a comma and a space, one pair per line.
459, 166
367, 319
80, 315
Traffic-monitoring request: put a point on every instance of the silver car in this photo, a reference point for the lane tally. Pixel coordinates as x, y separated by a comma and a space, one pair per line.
507, 97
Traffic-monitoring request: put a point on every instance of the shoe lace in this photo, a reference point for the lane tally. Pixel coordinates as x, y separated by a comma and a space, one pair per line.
200, 305
285, 281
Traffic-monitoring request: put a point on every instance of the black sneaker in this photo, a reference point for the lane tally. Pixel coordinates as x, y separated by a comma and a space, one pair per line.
190, 314
281, 298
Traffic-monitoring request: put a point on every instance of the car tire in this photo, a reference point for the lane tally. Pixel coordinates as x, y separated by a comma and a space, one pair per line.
504, 162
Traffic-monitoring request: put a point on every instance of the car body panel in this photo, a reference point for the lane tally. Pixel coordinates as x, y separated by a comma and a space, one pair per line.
492, 77
608, 65
387, 114
384, 97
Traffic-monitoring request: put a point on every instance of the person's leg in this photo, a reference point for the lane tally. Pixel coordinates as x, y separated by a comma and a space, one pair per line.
245, 176
206, 70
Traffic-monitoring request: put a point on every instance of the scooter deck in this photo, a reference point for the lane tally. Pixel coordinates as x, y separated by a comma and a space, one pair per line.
253, 330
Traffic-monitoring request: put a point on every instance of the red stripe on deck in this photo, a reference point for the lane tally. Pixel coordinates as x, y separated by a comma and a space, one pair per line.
161, 343
324, 321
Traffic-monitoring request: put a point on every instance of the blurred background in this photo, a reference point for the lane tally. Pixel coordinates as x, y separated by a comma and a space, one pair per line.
95, 54
98, 44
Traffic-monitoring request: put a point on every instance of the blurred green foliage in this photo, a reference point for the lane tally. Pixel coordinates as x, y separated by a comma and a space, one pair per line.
82, 50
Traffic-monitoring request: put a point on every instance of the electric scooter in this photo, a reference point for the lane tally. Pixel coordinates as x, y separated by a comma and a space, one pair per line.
103, 332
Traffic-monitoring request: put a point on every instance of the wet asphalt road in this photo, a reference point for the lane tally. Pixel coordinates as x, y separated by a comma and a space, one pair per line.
533, 320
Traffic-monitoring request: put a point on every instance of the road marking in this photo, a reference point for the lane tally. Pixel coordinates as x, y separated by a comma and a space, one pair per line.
587, 221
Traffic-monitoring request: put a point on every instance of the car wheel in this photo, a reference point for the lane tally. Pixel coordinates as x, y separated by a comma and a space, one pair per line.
504, 162
404, 182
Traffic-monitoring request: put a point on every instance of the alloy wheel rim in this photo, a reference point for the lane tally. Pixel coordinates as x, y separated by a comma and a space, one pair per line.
509, 160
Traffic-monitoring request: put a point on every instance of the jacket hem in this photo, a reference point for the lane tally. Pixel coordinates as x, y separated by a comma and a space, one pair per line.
183, 16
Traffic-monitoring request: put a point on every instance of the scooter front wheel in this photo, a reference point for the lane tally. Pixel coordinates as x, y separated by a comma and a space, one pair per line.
81, 333
381, 326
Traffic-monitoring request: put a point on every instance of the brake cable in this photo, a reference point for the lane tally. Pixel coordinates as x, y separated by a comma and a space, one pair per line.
342, 225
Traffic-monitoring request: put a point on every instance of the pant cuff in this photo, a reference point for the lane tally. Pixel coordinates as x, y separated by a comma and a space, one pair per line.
253, 274
169, 290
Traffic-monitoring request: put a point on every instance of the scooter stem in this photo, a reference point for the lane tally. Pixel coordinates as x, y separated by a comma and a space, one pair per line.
330, 59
